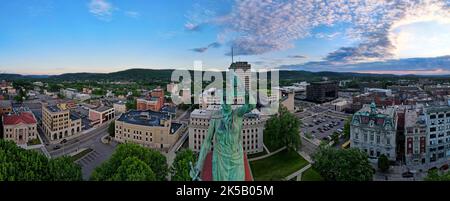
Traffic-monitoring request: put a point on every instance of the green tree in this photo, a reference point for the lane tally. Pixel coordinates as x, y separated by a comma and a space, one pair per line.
343, 164
181, 165
133, 169
434, 175
18, 164
64, 169
18, 98
131, 104
112, 129
383, 163
346, 130
281, 130
154, 159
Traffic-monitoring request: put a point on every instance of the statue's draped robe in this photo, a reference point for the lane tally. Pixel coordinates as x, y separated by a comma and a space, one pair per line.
228, 154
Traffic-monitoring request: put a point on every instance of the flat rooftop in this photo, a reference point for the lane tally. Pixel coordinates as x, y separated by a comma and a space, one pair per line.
102, 108
144, 118
53, 108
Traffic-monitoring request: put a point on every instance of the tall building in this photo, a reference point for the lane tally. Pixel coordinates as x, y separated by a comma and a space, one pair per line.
252, 129
20, 127
59, 123
415, 133
243, 72
322, 91
373, 131
153, 102
438, 134
148, 128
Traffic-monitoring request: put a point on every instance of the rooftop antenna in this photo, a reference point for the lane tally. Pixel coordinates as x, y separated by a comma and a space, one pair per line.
232, 54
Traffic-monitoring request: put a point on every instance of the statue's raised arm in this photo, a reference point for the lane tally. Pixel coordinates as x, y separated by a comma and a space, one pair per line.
248, 106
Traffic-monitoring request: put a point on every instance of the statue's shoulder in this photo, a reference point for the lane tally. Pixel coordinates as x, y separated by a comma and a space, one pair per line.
216, 115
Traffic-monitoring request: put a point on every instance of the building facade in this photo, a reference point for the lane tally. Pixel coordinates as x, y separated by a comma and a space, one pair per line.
20, 128
415, 133
438, 134
252, 129
120, 107
322, 91
243, 72
373, 131
59, 123
148, 128
101, 115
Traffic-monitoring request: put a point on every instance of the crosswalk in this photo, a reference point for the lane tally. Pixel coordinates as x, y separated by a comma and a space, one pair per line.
89, 158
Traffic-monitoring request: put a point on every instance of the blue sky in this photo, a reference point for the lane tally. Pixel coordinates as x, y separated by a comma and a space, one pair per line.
53, 37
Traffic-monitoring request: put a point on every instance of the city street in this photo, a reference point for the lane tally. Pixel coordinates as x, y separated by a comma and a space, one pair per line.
86, 140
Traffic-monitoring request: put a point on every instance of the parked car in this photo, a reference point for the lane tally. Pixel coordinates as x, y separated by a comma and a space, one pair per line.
444, 167
63, 141
56, 147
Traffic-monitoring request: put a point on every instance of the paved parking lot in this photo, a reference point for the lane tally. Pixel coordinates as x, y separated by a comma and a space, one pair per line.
321, 126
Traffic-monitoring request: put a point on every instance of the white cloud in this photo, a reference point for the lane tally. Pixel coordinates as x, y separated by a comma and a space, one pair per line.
261, 26
102, 9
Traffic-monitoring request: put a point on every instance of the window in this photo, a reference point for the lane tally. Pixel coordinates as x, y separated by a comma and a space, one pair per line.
388, 141
378, 139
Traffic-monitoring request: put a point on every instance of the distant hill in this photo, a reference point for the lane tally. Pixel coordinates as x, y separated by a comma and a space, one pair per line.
149, 75
130, 74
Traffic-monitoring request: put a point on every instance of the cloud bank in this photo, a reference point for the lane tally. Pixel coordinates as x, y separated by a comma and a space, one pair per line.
256, 27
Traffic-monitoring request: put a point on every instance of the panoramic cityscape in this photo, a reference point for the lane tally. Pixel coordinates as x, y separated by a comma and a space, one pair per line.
225, 90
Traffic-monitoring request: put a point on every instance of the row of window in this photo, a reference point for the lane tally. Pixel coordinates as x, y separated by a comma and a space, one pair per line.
12, 136
11, 129
135, 137
376, 153
372, 138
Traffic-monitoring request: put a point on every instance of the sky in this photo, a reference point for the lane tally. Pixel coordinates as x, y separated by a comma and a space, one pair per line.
372, 36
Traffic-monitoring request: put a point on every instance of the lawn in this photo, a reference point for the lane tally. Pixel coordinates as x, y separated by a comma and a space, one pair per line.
81, 154
264, 152
278, 166
35, 141
311, 175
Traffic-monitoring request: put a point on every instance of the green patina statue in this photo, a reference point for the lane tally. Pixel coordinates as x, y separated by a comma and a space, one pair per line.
228, 156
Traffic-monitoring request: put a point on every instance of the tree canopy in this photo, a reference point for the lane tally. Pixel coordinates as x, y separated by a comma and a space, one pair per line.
18, 164
434, 175
281, 130
133, 169
343, 164
140, 157
346, 130
181, 165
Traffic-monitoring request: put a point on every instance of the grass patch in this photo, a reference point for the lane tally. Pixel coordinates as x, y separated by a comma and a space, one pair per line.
81, 154
311, 175
264, 152
278, 166
32, 142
